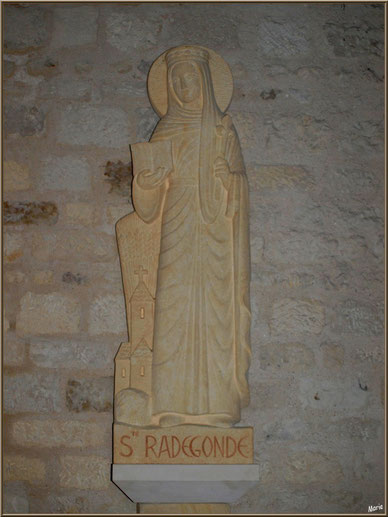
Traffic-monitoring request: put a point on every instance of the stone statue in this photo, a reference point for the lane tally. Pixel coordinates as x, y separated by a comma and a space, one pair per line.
184, 255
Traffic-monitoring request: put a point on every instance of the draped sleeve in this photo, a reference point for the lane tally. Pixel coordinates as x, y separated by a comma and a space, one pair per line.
238, 210
238, 190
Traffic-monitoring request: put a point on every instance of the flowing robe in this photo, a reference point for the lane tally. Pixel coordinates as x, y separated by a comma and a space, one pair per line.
201, 348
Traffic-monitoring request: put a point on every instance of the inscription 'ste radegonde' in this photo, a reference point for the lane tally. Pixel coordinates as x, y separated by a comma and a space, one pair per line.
187, 444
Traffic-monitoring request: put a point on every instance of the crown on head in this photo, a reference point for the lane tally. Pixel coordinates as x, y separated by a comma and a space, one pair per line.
186, 53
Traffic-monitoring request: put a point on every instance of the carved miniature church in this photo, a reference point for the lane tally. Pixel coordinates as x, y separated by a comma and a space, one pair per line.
133, 361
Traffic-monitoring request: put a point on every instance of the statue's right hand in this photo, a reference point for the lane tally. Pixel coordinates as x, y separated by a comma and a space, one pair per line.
148, 179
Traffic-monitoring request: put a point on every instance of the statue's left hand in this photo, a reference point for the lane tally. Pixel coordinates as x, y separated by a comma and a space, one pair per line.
222, 171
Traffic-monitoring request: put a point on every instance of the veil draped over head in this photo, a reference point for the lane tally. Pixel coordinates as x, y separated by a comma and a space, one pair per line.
205, 118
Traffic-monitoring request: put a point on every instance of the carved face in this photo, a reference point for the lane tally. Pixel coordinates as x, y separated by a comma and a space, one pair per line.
186, 82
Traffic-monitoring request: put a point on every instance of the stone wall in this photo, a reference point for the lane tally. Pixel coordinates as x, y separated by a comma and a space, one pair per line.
308, 106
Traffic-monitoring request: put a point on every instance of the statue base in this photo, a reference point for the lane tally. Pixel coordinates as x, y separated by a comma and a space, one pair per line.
185, 483
184, 444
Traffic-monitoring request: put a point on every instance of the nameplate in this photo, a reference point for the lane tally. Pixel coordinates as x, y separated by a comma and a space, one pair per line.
186, 444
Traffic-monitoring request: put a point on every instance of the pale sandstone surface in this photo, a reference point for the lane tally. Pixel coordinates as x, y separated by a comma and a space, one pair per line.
308, 106
107, 315
58, 433
53, 313
65, 173
76, 472
22, 468
16, 176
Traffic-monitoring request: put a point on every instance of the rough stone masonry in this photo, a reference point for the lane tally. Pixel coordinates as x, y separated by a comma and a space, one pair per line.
308, 106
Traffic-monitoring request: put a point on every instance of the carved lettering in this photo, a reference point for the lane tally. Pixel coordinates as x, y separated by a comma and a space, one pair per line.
220, 447
148, 446
164, 446
241, 445
194, 452
210, 447
230, 451
130, 449
175, 446
175, 452
184, 446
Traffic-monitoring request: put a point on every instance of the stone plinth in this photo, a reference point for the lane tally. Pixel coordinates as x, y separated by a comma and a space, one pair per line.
181, 445
185, 483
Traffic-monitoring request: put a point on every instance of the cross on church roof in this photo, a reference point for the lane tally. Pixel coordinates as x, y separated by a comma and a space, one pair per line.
140, 272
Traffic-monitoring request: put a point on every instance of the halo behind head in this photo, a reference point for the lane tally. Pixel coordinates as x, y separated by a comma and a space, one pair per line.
219, 70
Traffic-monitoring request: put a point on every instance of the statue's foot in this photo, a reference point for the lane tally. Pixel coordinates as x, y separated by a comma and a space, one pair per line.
211, 419
170, 420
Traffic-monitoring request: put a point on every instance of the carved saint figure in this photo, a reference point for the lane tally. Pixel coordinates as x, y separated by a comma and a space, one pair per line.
199, 193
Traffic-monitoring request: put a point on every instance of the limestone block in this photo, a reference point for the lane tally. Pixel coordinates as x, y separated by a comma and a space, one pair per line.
288, 357
71, 278
25, 29
333, 355
9, 68
21, 468
80, 213
32, 392
75, 26
26, 120
359, 318
15, 498
356, 428
89, 394
272, 395
65, 88
29, 212
59, 433
291, 247
44, 277
13, 352
73, 354
53, 313
45, 66
283, 39
349, 500
349, 40
126, 31
14, 245
100, 126
246, 124
106, 500
291, 316
16, 176
119, 176
14, 277
341, 394
84, 472
84, 245
147, 122
107, 315
305, 467
278, 176
65, 173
